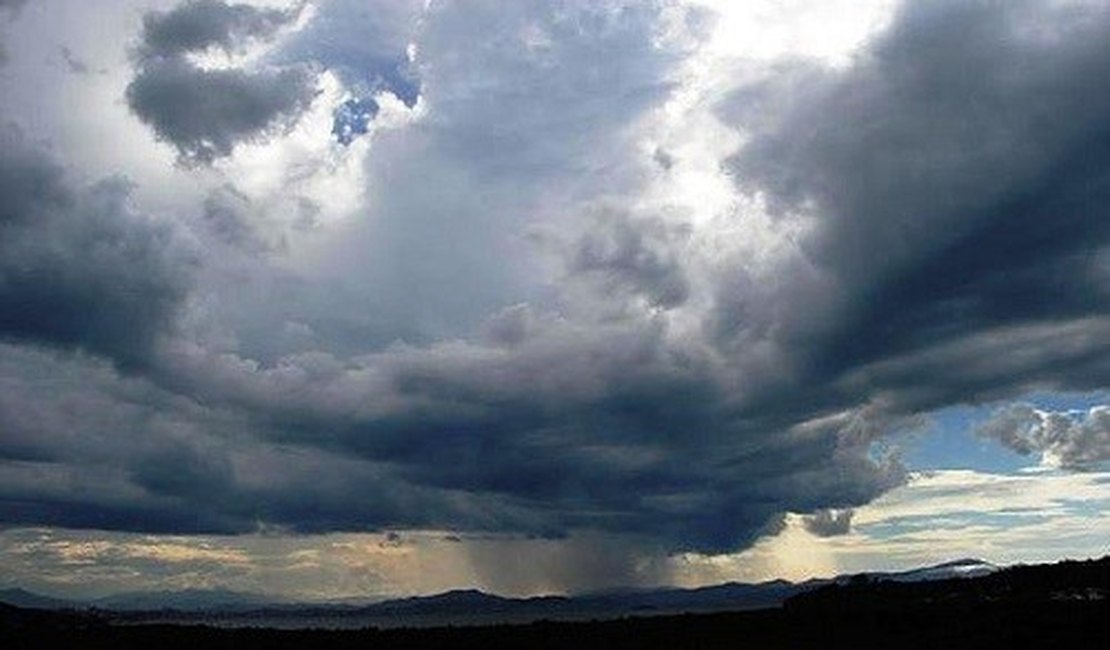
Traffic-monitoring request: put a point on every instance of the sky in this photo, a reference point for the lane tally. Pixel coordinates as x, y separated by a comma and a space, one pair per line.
327, 299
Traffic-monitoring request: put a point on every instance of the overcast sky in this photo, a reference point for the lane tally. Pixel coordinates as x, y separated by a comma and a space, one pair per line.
333, 298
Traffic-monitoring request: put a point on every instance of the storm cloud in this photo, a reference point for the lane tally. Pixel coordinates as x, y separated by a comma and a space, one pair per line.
79, 269
510, 332
947, 200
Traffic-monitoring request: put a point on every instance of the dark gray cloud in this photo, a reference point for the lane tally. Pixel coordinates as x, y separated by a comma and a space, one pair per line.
948, 199
1071, 440
84, 447
829, 523
228, 216
197, 25
78, 268
602, 426
636, 256
204, 112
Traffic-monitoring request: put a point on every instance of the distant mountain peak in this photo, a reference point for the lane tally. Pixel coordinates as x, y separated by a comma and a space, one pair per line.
967, 561
460, 594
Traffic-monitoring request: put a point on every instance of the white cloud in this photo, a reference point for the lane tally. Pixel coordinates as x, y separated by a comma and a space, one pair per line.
1031, 516
770, 29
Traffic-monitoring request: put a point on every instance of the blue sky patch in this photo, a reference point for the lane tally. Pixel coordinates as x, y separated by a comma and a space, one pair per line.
353, 118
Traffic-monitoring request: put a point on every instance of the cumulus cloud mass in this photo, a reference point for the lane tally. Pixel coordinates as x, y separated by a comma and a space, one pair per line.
203, 112
600, 275
1069, 440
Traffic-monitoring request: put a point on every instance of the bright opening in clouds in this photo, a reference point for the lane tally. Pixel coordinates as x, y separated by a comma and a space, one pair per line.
344, 298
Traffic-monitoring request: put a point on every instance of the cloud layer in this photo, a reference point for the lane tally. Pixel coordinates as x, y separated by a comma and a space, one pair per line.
935, 517
515, 326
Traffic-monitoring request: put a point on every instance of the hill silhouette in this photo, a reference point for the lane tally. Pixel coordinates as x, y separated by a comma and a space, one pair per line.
1061, 605
465, 606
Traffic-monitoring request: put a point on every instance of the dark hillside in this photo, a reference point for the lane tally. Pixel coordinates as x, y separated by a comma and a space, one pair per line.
1059, 606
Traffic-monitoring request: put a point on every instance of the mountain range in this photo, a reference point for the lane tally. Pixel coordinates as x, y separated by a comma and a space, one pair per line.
469, 606
1061, 605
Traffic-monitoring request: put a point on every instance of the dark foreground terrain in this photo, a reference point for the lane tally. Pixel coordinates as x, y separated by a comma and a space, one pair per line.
1061, 605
